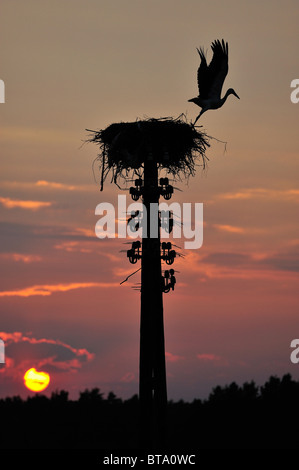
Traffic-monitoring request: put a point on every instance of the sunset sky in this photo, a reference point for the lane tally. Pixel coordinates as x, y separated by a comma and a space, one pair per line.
72, 65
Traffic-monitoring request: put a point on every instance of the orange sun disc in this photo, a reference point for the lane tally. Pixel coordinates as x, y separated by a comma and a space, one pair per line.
36, 381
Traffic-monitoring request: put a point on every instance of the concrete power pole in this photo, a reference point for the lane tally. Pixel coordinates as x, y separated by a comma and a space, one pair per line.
174, 145
152, 371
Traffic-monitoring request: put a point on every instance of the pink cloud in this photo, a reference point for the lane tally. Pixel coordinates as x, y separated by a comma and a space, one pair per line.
21, 257
213, 358
45, 289
31, 205
172, 357
230, 228
17, 337
53, 185
128, 377
72, 246
250, 193
13, 369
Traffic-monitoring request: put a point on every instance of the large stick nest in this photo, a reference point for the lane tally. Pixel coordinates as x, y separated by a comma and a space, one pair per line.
175, 144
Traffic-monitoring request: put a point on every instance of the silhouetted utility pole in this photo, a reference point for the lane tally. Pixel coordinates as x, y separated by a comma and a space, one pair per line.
152, 372
145, 147
152, 369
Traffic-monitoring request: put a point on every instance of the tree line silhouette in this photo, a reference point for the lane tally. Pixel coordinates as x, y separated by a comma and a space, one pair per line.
232, 417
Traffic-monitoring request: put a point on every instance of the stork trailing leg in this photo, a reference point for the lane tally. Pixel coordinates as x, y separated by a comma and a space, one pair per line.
201, 112
196, 120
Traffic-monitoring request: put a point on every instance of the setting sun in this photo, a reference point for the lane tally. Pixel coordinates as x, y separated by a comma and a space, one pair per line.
36, 381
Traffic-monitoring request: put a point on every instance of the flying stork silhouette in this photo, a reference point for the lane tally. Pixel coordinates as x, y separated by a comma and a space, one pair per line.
210, 79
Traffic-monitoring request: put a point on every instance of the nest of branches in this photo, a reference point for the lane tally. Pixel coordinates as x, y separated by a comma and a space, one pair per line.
174, 144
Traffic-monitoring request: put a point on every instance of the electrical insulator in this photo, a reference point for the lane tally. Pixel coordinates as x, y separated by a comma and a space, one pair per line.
166, 221
166, 190
137, 191
170, 258
136, 246
168, 281
134, 220
168, 254
132, 256
134, 193
133, 215
134, 253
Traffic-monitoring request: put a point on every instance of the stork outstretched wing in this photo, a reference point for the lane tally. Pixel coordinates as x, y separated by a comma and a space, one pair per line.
210, 78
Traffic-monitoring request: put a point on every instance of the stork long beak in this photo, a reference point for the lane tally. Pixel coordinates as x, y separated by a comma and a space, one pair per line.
236, 95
